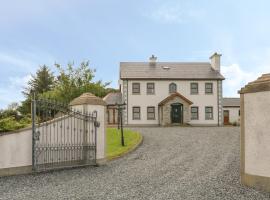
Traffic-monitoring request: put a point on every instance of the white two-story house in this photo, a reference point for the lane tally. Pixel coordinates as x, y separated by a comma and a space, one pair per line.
172, 93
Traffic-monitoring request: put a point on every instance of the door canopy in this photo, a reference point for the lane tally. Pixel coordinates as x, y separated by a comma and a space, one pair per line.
173, 96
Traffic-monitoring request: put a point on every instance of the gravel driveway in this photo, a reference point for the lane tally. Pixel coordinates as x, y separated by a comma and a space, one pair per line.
172, 163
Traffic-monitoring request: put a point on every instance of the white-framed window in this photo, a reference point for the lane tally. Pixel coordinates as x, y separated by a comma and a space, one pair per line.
150, 88
136, 113
208, 88
194, 88
194, 112
150, 112
209, 113
172, 88
136, 88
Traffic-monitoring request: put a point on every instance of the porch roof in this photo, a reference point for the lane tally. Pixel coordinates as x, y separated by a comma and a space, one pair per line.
172, 96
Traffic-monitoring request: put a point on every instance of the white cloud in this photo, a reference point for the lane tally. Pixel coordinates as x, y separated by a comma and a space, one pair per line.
236, 78
15, 60
16, 82
16, 73
174, 13
13, 91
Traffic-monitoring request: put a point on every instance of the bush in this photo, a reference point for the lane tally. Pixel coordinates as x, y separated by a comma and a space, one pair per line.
11, 124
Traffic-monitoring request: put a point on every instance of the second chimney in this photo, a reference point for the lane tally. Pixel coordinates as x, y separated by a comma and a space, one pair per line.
215, 61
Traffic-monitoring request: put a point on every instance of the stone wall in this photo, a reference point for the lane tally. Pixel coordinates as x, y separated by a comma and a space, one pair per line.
166, 111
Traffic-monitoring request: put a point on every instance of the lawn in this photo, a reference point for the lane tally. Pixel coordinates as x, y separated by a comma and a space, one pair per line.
114, 147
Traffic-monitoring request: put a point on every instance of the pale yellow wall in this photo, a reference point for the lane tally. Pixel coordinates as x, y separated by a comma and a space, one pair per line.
257, 133
162, 91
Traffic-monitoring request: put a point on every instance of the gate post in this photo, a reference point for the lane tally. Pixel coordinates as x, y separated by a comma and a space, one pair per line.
89, 103
255, 134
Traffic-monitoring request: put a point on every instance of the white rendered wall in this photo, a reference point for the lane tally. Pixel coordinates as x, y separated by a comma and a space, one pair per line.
101, 131
162, 91
16, 149
257, 133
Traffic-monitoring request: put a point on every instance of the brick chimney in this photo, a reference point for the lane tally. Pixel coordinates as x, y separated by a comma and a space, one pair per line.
215, 61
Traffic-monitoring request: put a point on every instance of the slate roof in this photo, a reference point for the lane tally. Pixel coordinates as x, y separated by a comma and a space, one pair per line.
231, 102
169, 70
113, 98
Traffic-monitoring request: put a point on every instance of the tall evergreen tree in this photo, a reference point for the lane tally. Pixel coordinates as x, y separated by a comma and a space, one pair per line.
41, 82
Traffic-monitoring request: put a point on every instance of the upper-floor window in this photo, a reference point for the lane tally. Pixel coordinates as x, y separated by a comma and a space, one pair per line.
136, 112
194, 89
150, 112
135, 88
209, 112
172, 88
208, 88
194, 112
150, 88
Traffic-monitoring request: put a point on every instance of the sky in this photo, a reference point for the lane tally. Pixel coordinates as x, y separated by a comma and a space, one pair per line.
106, 32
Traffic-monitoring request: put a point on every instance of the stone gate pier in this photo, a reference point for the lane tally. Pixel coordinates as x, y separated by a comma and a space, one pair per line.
255, 133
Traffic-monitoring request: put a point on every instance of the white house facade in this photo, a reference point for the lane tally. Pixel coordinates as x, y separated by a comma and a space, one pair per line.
172, 93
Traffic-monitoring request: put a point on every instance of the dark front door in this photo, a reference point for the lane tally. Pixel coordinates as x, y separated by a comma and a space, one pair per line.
177, 113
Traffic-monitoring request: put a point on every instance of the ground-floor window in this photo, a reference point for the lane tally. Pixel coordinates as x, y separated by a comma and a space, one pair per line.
208, 112
194, 112
136, 113
150, 112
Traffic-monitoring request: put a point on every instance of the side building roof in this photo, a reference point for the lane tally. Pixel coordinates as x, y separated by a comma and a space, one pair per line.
231, 102
113, 98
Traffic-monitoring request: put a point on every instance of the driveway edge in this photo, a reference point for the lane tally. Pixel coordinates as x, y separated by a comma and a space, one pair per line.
133, 148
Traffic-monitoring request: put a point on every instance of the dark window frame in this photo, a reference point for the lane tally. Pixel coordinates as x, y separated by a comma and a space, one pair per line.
154, 112
170, 88
136, 88
206, 113
147, 88
206, 88
191, 88
197, 113
133, 112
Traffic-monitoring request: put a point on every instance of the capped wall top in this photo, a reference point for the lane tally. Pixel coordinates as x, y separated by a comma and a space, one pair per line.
260, 85
87, 98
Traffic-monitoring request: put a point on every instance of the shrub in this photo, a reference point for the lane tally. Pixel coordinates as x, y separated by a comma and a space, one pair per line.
11, 124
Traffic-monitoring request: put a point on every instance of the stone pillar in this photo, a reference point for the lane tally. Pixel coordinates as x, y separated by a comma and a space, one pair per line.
255, 133
89, 103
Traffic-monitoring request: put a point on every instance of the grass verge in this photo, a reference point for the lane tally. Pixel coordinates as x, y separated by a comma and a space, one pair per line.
114, 147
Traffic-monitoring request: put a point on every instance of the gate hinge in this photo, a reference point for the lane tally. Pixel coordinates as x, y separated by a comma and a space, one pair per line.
96, 124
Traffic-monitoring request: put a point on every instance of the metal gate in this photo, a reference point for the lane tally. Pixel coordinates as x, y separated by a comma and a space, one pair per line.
62, 136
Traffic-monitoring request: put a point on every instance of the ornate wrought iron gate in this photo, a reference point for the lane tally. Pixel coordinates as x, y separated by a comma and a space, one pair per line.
62, 136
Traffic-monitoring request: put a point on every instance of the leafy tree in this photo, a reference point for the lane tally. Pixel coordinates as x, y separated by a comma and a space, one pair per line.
73, 81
